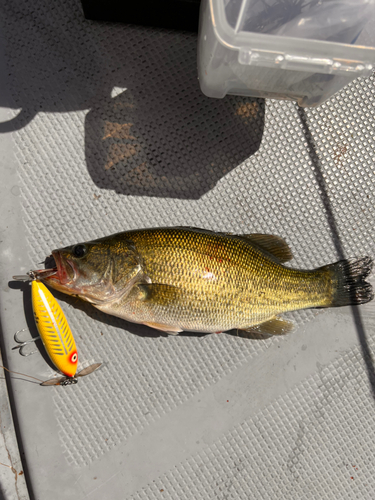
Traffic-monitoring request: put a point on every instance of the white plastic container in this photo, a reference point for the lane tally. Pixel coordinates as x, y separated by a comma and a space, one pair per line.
232, 61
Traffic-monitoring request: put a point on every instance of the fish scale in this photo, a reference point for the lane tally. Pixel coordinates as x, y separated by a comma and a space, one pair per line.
223, 282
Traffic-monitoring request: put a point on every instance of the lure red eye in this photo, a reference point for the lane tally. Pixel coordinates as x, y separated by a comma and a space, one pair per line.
74, 358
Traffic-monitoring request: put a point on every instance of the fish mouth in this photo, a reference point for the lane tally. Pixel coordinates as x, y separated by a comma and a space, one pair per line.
66, 270
43, 274
61, 271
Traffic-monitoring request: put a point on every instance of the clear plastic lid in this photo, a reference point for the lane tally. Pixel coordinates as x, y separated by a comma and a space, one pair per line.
343, 21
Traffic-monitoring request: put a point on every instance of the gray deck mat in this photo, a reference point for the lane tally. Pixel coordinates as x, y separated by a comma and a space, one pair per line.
103, 129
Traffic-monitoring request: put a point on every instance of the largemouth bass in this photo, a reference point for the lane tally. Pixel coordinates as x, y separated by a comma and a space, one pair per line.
187, 279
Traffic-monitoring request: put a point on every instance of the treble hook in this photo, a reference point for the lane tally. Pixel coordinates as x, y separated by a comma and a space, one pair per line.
24, 343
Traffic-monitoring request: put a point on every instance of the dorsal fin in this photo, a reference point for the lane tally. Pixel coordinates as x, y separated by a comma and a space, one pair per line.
274, 245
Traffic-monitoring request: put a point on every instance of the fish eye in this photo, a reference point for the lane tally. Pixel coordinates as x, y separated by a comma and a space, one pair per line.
74, 357
79, 251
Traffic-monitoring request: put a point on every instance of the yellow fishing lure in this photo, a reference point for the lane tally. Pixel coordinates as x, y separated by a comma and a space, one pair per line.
54, 330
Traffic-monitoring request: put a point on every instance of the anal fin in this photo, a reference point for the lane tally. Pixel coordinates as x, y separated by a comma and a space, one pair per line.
274, 326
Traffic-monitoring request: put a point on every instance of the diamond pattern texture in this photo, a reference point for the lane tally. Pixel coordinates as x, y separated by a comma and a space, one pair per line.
92, 161
316, 450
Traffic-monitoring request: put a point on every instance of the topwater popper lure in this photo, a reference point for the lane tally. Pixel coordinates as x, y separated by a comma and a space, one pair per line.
55, 333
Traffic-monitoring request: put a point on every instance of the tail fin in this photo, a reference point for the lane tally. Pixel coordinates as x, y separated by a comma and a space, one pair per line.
348, 280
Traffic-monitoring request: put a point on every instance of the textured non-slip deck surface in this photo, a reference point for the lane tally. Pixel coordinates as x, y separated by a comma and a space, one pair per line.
103, 129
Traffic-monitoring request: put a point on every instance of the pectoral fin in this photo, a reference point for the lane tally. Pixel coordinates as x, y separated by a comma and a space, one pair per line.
274, 245
164, 328
157, 292
274, 326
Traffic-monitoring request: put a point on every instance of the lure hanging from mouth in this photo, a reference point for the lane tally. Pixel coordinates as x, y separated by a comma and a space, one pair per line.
38, 274
54, 332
